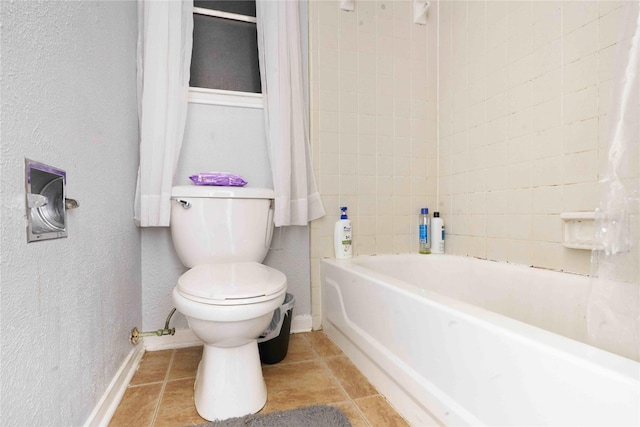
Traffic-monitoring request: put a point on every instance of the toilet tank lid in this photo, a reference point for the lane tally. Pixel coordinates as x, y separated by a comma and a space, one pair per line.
205, 191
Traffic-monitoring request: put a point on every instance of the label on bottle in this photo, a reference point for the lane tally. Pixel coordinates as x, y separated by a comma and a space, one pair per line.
424, 235
343, 243
346, 235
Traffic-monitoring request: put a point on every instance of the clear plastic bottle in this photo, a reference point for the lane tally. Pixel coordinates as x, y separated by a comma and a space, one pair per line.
424, 231
437, 234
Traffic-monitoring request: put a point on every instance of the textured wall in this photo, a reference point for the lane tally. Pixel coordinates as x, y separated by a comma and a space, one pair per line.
68, 99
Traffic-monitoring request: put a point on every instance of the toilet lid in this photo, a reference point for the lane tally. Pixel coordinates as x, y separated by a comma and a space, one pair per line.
220, 282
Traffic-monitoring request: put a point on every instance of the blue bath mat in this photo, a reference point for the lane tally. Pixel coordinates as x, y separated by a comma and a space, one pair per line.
310, 416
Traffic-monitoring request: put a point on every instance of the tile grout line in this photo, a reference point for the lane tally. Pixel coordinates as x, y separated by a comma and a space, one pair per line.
331, 374
326, 367
162, 389
145, 384
353, 400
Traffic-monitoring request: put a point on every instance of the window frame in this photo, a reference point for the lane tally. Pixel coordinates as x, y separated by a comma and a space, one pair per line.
230, 98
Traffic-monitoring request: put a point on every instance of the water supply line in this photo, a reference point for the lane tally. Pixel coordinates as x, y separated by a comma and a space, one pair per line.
136, 334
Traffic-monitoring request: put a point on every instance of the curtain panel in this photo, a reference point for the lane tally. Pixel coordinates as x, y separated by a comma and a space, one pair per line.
297, 200
165, 39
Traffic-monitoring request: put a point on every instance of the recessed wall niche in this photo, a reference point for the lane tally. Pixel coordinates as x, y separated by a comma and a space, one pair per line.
45, 201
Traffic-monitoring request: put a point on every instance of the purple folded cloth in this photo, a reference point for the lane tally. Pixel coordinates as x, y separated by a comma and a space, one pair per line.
218, 178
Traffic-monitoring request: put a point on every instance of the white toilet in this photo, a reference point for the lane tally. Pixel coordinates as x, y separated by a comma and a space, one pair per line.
228, 297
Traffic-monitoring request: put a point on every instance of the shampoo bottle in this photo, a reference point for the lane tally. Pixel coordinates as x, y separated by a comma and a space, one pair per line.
424, 231
437, 234
342, 236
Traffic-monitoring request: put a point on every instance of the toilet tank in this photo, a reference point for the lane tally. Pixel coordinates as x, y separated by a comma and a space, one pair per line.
211, 225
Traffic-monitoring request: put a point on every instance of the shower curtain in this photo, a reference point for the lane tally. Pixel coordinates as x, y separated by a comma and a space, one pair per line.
297, 200
614, 302
165, 39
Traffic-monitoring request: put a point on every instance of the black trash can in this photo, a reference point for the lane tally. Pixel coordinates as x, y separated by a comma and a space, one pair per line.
274, 342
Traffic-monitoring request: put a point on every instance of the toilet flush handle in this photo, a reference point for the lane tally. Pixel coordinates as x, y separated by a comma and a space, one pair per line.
185, 204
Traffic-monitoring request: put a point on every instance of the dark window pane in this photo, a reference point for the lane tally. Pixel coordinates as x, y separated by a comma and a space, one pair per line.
241, 7
225, 55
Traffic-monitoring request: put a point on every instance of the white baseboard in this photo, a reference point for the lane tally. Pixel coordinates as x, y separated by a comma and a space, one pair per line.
182, 338
301, 323
108, 403
185, 338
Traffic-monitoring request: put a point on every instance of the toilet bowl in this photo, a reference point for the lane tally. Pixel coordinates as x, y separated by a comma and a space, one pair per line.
227, 297
228, 306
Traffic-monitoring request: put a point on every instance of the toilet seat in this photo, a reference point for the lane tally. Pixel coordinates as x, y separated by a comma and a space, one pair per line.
231, 284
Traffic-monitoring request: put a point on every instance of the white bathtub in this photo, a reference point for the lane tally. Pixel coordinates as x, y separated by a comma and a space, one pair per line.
458, 341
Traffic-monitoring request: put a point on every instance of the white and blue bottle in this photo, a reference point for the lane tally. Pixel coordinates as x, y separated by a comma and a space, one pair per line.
437, 234
342, 236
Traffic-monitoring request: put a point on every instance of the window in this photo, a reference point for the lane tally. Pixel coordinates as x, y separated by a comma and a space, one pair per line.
224, 61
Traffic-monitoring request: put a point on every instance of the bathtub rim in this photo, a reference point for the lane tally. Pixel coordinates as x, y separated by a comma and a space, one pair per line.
624, 368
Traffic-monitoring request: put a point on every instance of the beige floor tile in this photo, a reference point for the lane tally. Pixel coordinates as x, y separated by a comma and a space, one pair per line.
299, 350
315, 372
153, 367
185, 362
295, 385
322, 345
137, 406
354, 383
379, 413
352, 413
177, 407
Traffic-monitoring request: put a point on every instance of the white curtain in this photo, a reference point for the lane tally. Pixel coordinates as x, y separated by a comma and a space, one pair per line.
297, 200
165, 39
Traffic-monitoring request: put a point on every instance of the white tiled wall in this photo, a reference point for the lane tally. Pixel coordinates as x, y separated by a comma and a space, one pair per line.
373, 125
523, 102
497, 109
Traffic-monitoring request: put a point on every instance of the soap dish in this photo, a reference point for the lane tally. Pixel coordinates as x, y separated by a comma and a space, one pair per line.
578, 230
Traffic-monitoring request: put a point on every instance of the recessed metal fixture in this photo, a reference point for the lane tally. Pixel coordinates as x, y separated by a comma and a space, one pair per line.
46, 203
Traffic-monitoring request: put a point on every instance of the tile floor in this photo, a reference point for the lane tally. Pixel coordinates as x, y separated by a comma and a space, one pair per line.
314, 372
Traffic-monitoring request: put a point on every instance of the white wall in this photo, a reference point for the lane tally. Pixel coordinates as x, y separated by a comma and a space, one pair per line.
68, 99
229, 139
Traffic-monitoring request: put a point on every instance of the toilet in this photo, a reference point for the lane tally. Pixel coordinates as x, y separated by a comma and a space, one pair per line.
228, 297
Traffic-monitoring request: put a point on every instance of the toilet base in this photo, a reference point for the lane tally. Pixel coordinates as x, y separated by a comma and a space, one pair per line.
229, 382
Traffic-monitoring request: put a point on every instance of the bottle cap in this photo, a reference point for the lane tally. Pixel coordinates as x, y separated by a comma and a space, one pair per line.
424, 211
436, 214
344, 212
